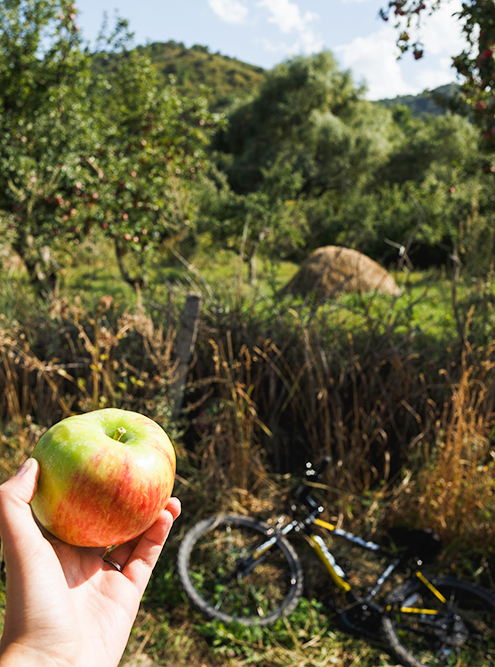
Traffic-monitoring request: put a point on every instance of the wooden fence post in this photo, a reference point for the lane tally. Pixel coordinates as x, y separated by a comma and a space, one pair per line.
185, 342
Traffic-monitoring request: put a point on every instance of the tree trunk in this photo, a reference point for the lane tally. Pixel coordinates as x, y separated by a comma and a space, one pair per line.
41, 268
252, 269
135, 282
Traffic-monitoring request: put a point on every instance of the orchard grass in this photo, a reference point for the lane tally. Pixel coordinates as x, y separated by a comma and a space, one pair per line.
91, 272
169, 633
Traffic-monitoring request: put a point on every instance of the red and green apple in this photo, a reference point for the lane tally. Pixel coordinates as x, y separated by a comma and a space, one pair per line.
104, 477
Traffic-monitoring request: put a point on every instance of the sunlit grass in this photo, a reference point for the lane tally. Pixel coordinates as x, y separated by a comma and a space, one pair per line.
92, 272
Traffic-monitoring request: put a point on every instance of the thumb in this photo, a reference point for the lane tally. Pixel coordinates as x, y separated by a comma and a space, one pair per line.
17, 526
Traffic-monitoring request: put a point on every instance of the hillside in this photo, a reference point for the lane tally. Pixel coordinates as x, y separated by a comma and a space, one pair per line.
229, 79
435, 102
226, 78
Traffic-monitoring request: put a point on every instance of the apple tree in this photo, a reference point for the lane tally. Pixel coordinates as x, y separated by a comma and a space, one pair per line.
45, 129
84, 145
151, 147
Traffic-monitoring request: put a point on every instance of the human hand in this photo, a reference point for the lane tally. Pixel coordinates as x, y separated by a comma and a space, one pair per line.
67, 607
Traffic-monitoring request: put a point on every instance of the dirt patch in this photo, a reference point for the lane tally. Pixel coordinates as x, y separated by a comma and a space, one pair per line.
331, 270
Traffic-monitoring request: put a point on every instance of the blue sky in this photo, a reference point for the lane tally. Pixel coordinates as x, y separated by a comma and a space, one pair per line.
266, 32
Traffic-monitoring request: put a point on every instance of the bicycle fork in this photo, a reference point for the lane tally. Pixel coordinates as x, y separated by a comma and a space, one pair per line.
262, 552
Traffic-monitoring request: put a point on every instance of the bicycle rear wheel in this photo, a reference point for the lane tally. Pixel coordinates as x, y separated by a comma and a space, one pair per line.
431, 635
211, 564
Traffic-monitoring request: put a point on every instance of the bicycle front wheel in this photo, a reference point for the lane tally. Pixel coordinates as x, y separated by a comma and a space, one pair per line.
423, 631
222, 579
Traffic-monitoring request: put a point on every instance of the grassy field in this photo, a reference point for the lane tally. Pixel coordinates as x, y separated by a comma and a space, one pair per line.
399, 391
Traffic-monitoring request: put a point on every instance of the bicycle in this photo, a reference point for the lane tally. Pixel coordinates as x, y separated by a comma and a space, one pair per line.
238, 569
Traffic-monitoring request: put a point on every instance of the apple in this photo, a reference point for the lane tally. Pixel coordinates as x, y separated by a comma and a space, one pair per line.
104, 477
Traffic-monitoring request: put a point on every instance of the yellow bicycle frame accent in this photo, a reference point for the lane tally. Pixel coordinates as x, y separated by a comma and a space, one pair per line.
413, 610
325, 555
430, 586
324, 524
264, 548
341, 583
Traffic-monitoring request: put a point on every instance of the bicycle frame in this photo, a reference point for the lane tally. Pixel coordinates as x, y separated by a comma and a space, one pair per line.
339, 577
337, 574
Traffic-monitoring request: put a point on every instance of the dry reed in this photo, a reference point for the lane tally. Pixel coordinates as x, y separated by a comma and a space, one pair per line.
78, 361
266, 403
453, 491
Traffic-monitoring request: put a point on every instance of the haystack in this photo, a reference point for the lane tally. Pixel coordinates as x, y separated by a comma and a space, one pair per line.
331, 270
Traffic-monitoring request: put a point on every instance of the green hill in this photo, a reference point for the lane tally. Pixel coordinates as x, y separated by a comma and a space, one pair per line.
227, 78
435, 102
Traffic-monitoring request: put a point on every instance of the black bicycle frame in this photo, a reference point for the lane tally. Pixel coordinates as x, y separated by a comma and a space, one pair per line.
336, 572
333, 568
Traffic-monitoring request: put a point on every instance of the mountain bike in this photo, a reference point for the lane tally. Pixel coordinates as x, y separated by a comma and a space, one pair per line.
240, 570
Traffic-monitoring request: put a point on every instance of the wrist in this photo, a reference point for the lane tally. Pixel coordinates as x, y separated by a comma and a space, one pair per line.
19, 655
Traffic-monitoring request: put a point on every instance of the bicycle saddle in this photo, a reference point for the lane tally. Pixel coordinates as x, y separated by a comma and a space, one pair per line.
424, 544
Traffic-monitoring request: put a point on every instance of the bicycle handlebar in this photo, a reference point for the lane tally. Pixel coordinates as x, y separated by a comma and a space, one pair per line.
303, 492
316, 474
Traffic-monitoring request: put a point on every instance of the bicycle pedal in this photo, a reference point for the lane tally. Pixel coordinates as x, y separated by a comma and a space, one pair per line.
332, 605
361, 619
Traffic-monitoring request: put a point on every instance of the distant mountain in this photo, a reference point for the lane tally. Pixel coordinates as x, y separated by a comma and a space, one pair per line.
435, 102
226, 79
229, 79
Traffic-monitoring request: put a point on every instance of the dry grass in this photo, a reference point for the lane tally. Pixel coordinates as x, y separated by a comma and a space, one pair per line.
409, 440
78, 361
374, 406
453, 491
239, 465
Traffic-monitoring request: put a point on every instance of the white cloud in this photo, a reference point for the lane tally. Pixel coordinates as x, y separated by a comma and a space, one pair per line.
286, 15
288, 18
441, 31
230, 11
431, 77
374, 60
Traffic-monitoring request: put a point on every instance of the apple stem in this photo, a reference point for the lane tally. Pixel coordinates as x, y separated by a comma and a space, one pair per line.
119, 433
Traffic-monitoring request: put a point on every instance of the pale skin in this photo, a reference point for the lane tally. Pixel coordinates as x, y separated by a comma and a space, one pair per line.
66, 607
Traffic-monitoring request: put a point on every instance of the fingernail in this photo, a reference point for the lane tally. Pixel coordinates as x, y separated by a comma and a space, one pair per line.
24, 467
